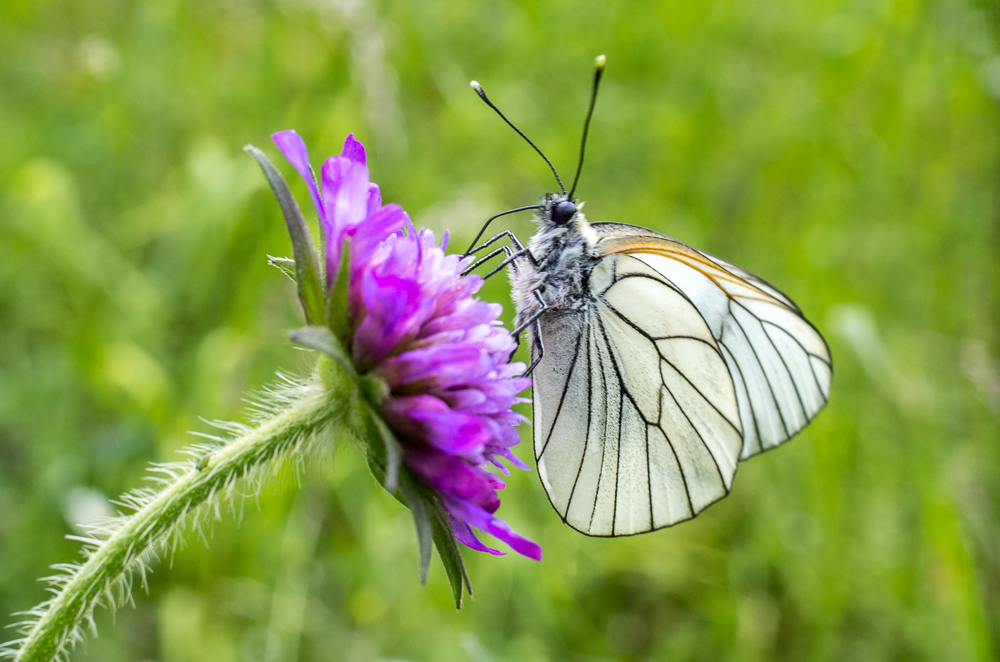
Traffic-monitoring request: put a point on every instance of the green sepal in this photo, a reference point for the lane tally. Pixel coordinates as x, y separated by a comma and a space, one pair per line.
451, 557
423, 520
284, 264
376, 464
393, 452
336, 307
374, 389
322, 340
432, 524
308, 275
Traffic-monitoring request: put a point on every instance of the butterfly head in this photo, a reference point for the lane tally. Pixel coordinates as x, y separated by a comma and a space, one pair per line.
562, 226
562, 212
557, 210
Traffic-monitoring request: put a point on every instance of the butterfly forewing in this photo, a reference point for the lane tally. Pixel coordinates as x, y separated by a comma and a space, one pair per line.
637, 420
778, 363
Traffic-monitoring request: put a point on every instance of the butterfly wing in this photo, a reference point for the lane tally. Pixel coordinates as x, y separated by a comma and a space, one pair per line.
637, 422
779, 363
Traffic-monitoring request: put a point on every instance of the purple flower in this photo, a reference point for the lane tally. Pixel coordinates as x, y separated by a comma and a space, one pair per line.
414, 323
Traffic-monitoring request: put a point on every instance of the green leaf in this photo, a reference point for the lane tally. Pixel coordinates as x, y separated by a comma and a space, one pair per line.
336, 309
309, 276
421, 511
322, 339
285, 264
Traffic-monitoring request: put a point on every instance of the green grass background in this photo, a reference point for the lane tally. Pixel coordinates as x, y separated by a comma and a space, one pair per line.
846, 150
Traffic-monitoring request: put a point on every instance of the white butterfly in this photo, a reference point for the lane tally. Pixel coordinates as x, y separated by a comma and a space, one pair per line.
656, 368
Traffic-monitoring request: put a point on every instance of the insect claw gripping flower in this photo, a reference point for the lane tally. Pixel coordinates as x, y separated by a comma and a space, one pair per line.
413, 323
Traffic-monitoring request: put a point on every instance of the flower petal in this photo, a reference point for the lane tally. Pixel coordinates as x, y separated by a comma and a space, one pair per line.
294, 149
457, 432
475, 516
376, 229
354, 150
374, 199
434, 368
453, 477
345, 203
392, 303
464, 535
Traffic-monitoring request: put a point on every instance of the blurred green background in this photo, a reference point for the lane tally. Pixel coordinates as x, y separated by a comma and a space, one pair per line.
845, 150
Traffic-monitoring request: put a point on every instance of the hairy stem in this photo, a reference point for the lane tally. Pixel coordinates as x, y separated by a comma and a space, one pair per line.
110, 560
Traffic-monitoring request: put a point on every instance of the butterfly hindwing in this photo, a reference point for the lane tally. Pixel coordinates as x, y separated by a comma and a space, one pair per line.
637, 419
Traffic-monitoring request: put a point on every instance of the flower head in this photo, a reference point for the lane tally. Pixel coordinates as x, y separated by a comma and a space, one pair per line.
414, 323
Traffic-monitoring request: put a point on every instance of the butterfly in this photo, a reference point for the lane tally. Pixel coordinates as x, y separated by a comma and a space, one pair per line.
657, 368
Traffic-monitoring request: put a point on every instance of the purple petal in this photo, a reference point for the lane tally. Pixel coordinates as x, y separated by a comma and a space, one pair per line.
465, 536
345, 202
456, 432
392, 303
468, 399
498, 464
436, 367
466, 315
398, 412
496, 527
375, 229
294, 149
510, 457
374, 199
453, 477
354, 150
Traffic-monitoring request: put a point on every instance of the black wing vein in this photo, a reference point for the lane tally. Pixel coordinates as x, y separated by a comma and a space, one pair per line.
791, 377
805, 351
625, 392
590, 409
562, 398
643, 331
763, 371
698, 432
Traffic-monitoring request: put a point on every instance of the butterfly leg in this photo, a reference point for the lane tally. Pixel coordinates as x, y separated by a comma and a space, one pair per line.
532, 321
539, 347
478, 263
519, 249
495, 238
511, 257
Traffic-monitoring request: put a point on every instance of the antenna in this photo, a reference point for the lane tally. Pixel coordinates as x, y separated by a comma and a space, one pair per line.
599, 64
482, 95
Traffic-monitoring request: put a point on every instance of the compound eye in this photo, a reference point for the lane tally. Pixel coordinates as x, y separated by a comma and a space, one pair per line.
563, 212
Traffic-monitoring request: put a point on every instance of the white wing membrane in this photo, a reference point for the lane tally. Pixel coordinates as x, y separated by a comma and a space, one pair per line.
637, 422
678, 366
779, 362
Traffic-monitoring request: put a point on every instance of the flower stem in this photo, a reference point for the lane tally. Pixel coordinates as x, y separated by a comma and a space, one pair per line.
314, 408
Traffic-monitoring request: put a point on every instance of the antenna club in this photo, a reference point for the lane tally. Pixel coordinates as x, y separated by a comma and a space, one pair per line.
479, 90
599, 61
